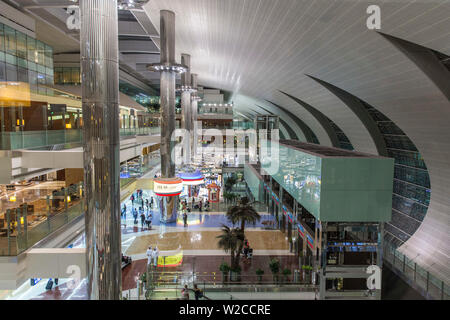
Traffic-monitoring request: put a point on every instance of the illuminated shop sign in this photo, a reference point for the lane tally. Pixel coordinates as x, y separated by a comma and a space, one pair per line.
192, 178
167, 187
310, 241
301, 230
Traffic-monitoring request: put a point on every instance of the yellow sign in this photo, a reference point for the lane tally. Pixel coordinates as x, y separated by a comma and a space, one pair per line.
170, 261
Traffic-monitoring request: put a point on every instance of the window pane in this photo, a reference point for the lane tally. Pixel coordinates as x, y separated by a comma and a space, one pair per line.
22, 74
2, 71
10, 40
11, 59
11, 72
21, 45
2, 38
48, 56
32, 80
32, 66
40, 52
22, 62
41, 69
31, 49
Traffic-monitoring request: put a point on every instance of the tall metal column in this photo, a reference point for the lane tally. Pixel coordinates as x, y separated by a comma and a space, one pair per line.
100, 97
186, 122
186, 93
194, 115
168, 68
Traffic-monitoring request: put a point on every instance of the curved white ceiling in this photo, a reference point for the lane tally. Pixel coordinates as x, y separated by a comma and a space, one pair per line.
256, 47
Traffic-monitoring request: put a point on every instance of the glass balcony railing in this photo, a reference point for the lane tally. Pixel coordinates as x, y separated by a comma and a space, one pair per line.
167, 285
420, 278
26, 225
36, 139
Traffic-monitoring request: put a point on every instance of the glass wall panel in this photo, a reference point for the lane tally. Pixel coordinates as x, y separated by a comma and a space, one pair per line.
409, 207
11, 72
31, 50
399, 142
10, 40
407, 158
2, 38
410, 191
2, 71
48, 56
412, 175
21, 45
40, 53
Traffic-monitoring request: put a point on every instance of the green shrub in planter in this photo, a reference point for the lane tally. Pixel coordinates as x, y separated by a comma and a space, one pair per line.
225, 268
259, 272
274, 266
235, 272
286, 273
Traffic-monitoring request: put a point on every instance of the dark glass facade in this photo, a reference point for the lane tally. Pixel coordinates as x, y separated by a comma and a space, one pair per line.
412, 189
344, 142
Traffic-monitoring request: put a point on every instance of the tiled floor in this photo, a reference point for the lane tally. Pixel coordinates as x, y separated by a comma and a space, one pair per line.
205, 240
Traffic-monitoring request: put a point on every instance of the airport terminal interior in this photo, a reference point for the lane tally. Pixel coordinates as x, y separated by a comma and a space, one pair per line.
224, 150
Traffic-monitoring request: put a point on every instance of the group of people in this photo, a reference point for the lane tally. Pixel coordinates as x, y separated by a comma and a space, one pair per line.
144, 214
152, 256
198, 293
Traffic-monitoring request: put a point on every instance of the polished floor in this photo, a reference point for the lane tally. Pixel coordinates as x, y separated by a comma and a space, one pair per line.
206, 269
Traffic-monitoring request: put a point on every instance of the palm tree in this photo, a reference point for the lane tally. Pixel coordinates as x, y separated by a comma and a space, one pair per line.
230, 240
244, 213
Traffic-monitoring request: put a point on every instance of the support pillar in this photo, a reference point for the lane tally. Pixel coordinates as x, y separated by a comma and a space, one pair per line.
194, 115
186, 120
100, 98
168, 69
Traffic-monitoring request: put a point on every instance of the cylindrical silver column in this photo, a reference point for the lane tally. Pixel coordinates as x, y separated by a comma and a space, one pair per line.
168, 204
100, 97
194, 115
186, 102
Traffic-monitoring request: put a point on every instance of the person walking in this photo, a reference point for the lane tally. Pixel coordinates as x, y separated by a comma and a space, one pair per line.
135, 215
198, 293
151, 202
185, 218
124, 211
200, 206
149, 254
155, 256
148, 220
142, 219
132, 200
185, 293
146, 204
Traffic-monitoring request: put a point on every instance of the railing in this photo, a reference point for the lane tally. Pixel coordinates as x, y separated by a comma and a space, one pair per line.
168, 285
42, 138
419, 278
140, 131
150, 162
24, 229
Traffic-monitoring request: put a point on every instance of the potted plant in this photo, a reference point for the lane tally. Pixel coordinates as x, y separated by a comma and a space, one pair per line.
235, 273
286, 273
225, 268
259, 273
306, 271
274, 266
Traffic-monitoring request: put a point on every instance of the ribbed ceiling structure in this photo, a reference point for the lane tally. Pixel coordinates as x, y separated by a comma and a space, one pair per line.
257, 48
